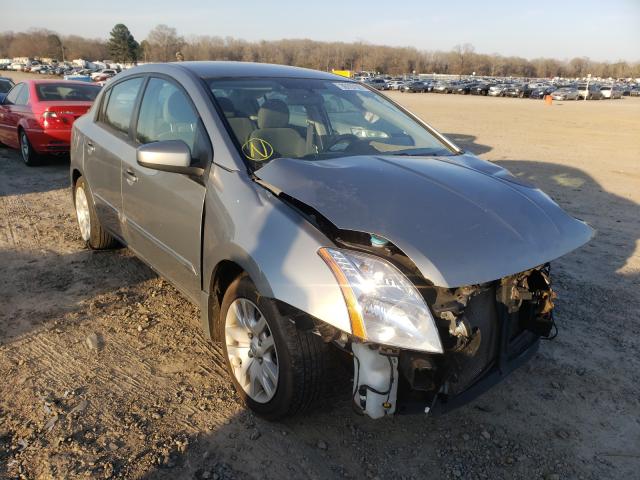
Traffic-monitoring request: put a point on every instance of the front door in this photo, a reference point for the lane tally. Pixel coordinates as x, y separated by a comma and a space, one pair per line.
163, 210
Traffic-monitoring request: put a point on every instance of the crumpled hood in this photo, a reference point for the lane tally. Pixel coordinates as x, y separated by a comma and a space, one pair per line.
460, 219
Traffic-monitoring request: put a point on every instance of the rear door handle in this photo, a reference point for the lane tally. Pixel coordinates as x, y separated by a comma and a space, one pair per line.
130, 176
90, 147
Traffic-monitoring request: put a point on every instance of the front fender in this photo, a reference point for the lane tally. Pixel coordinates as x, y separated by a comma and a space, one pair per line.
246, 224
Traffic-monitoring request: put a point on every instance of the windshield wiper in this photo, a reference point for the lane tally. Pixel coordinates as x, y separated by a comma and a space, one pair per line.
407, 154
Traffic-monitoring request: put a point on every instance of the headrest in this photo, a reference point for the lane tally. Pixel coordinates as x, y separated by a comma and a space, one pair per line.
227, 106
273, 114
177, 110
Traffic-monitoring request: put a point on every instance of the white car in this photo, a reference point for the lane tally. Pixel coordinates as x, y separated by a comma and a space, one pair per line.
609, 91
105, 71
395, 84
18, 67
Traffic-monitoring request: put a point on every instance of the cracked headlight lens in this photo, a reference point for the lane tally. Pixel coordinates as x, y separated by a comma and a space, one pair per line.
384, 306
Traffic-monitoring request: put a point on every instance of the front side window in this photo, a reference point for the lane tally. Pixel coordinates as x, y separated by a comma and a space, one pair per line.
121, 103
166, 114
313, 119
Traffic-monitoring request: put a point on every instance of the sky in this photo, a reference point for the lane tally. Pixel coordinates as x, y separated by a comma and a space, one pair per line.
603, 30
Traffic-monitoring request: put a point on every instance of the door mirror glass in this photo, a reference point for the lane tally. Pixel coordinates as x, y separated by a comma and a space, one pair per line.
168, 156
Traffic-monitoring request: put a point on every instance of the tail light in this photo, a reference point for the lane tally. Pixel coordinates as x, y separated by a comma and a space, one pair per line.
50, 119
57, 118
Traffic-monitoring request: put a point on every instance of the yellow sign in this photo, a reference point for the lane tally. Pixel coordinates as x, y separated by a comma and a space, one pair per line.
342, 73
257, 149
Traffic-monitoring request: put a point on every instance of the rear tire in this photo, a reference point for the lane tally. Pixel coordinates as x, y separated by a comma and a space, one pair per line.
29, 155
94, 236
301, 356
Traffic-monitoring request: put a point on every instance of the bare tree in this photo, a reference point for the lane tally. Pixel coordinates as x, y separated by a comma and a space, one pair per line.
462, 53
164, 43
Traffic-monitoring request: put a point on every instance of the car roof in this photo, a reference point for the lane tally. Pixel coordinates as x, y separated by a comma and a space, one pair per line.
212, 69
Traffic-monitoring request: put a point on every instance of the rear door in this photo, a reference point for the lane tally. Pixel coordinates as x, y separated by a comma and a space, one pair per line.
163, 210
107, 143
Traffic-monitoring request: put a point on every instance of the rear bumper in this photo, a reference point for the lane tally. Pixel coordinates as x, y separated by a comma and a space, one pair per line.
50, 141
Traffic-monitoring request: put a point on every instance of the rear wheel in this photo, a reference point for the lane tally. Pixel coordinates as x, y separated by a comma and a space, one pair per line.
91, 231
29, 155
276, 368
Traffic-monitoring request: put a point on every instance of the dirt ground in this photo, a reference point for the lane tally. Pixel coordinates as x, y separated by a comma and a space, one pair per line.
106, 374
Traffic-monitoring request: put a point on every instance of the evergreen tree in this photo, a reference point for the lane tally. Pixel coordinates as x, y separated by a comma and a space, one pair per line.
122, 46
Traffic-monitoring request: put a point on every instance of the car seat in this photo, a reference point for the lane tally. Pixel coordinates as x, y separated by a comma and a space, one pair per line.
242, 126
274, 128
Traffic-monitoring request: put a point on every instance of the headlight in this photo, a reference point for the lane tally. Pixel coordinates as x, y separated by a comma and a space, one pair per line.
384, 306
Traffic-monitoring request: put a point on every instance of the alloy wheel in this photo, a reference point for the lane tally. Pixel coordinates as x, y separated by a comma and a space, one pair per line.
24, 147
82, 212
251, 350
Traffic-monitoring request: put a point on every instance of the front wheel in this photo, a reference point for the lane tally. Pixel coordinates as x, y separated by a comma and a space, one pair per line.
29, 155
91, 231
277, 368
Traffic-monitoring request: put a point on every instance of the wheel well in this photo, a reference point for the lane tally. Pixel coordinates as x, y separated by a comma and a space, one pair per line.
75, 176
225, 273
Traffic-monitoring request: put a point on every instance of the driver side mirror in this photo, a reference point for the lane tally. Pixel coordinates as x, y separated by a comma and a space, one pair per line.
168, 156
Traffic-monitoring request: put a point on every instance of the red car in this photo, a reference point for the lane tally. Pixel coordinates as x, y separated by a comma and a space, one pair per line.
36, 115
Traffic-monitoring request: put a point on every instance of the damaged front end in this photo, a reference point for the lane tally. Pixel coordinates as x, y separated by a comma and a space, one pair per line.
487, 331
420, 341
465, 340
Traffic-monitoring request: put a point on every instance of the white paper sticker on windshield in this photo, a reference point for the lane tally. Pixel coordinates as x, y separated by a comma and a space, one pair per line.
350, 86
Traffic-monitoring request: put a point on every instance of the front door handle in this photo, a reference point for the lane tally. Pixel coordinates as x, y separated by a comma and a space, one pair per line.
90, 147
130, 176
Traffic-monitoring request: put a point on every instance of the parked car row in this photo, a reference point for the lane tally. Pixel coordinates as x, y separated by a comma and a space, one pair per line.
571, 91
497, 88
66, 70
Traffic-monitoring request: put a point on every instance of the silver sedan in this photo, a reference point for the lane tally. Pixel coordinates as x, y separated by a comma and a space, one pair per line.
303, 213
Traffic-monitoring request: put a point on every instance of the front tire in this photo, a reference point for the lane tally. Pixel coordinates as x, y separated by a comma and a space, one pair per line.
29, 155
95, 237
277, 369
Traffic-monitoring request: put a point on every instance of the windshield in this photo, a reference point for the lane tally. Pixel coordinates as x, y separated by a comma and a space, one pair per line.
49, 92
317, 119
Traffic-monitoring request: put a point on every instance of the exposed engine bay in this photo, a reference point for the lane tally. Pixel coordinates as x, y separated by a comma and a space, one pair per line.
484, 328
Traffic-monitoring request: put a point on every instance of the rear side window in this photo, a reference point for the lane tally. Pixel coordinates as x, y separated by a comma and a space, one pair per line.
166, 114
23, 97
121, 103
13, 95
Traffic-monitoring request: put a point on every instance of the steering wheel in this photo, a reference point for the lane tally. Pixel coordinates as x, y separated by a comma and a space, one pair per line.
348, 138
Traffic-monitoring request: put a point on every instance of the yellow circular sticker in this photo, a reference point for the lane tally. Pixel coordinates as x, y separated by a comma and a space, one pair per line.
257, 149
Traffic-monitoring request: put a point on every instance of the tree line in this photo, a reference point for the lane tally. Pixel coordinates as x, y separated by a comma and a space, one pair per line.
164, 44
